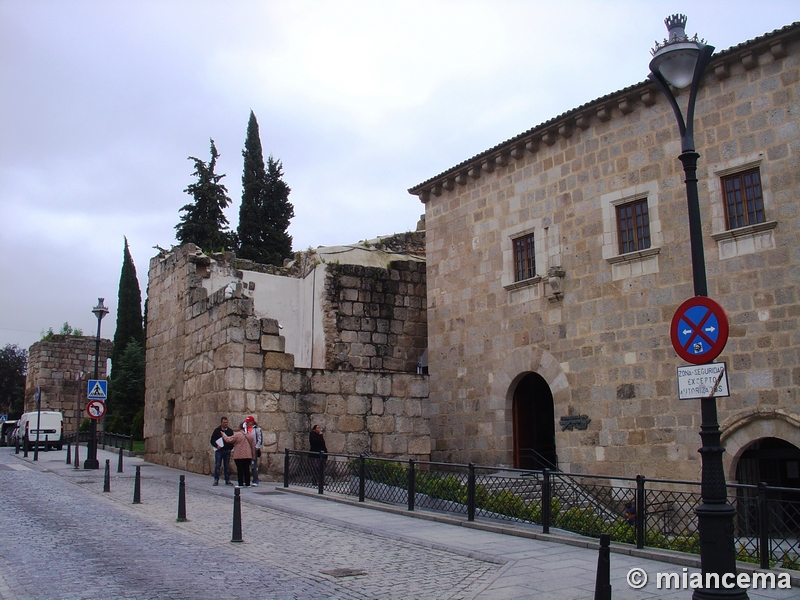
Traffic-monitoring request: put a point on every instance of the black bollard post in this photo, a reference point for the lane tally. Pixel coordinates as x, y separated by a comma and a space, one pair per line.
16, 446
182, 500
237, 516
137, 486
77, 460
25, 446
119, 464
602, 585
107, 477
69, 453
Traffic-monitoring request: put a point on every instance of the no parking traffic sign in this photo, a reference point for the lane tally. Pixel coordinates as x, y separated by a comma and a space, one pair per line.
699, 330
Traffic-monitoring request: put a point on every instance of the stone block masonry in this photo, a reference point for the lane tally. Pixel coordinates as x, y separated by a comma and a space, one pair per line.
62, 367
377, 317
210, 356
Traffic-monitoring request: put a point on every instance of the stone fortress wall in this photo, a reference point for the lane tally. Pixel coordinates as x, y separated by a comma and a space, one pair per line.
209, 354
62, 367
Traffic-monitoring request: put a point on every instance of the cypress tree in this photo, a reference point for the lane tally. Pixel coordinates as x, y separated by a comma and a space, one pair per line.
129, 309
265, 211
127, 358
203, 222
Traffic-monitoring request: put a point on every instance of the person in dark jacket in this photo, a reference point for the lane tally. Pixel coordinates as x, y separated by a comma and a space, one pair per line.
316, 443
222, 451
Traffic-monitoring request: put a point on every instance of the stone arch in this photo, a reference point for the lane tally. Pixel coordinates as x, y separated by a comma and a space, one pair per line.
516, 366
742, 429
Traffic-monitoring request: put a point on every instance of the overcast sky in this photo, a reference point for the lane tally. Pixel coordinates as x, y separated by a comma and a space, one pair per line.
102, 102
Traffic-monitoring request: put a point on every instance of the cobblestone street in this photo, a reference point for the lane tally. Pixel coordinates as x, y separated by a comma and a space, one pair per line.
64, 537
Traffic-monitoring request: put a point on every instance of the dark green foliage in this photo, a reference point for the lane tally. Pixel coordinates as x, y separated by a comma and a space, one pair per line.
13, 367
129, 309
265, 211
66, 329
126, 388
203, 222
86, 424
117, 425
137, 425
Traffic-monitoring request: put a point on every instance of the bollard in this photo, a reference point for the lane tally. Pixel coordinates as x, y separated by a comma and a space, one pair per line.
119, 464
16, 446
25, 446
107, 477
237, 516
137, 486
602, 585
182, 500
69, 453
77, 460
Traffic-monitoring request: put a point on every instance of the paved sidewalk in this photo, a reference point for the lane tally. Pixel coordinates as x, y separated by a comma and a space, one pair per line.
352, 550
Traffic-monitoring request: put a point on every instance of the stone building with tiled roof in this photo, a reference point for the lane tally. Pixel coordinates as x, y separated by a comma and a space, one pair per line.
556, 260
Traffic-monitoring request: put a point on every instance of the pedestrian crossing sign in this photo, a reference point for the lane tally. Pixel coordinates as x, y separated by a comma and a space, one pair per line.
97, 389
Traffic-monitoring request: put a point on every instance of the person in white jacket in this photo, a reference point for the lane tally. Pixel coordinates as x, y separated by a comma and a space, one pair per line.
255, 430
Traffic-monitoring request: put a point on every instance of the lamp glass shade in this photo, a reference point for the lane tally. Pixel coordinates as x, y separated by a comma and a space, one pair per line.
676, 63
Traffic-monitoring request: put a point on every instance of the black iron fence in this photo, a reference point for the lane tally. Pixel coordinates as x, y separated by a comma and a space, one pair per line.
663, 511
104, 439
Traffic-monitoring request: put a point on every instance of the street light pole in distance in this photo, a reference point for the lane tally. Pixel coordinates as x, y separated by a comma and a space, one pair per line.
91, 461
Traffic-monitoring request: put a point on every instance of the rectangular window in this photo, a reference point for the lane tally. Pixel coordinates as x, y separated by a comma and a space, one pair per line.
634, 226
524, 258
744, 204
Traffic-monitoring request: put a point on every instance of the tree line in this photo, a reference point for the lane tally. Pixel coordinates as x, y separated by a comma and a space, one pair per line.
264, 214
261, 236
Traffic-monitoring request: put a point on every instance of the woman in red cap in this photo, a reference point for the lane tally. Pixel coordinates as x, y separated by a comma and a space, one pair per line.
244, 450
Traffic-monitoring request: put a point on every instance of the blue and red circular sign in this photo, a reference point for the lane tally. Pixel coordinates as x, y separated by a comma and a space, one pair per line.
699, 330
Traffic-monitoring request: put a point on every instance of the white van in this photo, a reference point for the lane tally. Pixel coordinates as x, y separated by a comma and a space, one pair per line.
50, 429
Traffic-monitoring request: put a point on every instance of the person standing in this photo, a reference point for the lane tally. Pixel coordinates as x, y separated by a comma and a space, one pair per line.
222, 451
244, 450
316, 443
258, 438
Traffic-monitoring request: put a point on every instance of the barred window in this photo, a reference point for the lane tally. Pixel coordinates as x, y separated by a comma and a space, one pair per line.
633, 221
744, 204
524, 257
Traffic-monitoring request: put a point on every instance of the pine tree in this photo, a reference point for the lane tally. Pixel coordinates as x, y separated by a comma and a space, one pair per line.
203, 222
13, 368
265, 212
129, 308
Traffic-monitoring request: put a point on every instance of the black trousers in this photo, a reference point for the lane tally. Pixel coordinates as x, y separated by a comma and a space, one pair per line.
243, 471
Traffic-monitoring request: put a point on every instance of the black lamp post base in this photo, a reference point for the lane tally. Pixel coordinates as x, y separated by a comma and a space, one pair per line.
717, 552
91, 464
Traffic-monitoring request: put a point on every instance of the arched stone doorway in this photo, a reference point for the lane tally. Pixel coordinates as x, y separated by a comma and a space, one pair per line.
534, 424
774, 461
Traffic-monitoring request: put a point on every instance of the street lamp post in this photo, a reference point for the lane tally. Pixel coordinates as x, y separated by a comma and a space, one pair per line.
680, 61
91, 461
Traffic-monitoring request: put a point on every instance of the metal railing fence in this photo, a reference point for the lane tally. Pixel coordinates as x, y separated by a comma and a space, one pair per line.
767, 518
104, 438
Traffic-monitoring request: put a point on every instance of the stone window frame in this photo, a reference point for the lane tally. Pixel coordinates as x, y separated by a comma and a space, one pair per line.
507, 237
643, 242
525, 239
750, 238
742, 203
638, 262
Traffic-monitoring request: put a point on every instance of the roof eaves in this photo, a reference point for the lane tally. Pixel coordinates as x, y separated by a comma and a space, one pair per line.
646, 88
